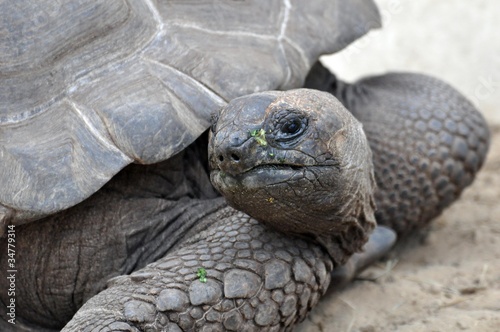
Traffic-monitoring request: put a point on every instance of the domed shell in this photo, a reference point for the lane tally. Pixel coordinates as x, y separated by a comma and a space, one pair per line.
87, 87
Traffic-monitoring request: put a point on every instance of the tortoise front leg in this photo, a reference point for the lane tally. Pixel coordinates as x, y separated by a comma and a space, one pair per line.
235, 275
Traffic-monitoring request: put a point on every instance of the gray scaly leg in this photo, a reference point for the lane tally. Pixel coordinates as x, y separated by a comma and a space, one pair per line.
428, 141
256, 279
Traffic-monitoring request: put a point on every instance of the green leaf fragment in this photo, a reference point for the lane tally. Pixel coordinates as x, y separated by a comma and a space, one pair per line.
260, 136
202, 274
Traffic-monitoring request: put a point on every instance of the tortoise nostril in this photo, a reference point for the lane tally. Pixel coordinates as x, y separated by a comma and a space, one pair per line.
221, 158
235, 157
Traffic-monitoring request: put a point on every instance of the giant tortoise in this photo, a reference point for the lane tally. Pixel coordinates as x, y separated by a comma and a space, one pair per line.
88, 88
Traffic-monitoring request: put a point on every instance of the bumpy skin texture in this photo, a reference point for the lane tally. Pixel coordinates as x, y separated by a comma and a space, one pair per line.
428, 141
435, 153
392, 109
137, 302
256, 280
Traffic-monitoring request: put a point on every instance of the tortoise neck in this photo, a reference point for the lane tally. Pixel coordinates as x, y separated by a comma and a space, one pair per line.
183, 175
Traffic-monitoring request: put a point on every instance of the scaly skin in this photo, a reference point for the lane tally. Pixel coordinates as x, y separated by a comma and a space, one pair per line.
419, 168
428, 141
257, 280
432, 153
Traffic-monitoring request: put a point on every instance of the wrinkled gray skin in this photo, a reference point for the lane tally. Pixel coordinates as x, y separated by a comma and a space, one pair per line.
160, 223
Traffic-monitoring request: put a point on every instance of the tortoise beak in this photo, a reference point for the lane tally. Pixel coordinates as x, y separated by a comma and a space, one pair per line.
234, 153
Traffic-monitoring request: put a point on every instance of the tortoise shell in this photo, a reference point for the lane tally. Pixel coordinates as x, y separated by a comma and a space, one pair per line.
89, 87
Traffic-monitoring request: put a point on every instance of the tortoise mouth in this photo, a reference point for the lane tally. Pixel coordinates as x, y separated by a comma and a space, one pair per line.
257, 176
275, 167
267, 176
262, 169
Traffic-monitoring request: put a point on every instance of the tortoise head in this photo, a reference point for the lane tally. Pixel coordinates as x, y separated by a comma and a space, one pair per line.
299, 161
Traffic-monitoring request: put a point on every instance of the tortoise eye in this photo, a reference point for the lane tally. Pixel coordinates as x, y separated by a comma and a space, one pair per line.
291, 127
286, 127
